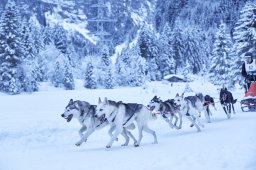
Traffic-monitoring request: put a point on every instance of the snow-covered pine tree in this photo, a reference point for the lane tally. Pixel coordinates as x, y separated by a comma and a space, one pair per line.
244, 39
61, 75
130, 67
122, 69
244, 32
57, 77
138, 67
47, 36
11, 50
60, 39
177, 47
148, 43
152, 71
90, 78
105, 76
192, 56
165, 60
68, 81
29, 61
221, 59
109, 79
149, 49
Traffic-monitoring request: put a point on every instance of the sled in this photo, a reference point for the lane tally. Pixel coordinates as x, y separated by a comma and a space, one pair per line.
248, 103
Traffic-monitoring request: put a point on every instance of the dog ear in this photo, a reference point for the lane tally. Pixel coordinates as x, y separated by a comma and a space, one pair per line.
70, 101
177, 95
106, 100
99, 101
182, 94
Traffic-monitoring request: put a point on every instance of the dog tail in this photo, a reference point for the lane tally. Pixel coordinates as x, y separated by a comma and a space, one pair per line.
234, 101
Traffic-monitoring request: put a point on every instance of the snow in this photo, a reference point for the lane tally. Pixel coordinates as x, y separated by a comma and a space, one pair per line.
68, 23
33, 135
118, 51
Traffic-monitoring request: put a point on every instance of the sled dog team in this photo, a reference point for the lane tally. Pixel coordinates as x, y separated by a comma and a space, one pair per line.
124, 117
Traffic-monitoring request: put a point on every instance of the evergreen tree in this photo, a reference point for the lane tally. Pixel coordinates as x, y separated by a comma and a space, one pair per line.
192, 55
109, 79
122, 66
68, 81
177, 47
57, 77
244, 39
47, 37
60, 39
130, 68
61, 75
152, 71
138, 67
90, 78
165, 59
147, 43
11, 50
221, 60
105, 75
244, 33
29, 62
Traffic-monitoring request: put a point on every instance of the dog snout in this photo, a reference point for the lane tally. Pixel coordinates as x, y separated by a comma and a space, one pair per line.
96, 116
62, 115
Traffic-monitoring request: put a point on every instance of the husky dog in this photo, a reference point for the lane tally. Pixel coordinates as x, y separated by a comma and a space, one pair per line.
189, 107
85, 113
122, 115
209, 101
197, 102
168, 111
227, 101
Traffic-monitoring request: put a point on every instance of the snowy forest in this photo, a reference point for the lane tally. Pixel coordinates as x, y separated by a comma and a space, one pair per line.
134, 41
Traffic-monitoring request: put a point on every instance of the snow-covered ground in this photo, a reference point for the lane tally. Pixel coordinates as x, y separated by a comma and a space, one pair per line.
34, 136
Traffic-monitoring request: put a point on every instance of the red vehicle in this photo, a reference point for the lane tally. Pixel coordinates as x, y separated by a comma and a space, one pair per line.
249, 101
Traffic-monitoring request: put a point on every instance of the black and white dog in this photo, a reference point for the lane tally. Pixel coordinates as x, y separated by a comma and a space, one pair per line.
189, 107
209, 101
227, 101
168, 110
85, 113
120, 115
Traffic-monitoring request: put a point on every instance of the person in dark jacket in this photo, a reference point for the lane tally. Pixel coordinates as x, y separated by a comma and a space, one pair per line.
249, 77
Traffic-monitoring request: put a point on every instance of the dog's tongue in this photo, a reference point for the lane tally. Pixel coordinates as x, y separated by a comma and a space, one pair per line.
69, 118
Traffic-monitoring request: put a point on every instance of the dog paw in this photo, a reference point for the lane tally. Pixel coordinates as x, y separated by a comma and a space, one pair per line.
136, 145
78, 144
125, 144
108, 146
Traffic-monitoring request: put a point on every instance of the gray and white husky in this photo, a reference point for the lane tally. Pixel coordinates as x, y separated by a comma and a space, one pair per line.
198, 102
189, 107
168, 110
121, 115
85, 113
